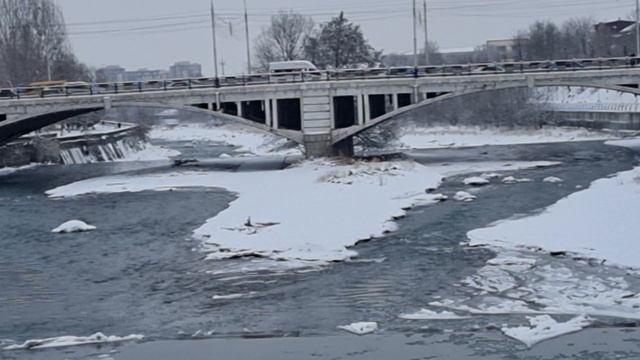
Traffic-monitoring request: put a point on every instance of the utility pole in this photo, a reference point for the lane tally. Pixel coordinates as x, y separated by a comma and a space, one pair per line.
246, 31
426, 34
637, 27
215, 46
415, 36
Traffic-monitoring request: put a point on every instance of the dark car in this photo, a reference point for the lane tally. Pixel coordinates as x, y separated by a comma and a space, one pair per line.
7, 94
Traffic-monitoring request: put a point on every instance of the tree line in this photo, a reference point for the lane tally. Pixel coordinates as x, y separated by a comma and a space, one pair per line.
335, 44
34, 43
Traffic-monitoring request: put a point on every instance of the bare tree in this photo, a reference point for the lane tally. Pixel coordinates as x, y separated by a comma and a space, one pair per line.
33, 43
284, 38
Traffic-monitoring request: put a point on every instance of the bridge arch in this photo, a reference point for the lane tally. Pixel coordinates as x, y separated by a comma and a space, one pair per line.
12, 129
341, 135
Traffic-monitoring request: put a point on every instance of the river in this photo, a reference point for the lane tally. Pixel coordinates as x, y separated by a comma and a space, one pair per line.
143, 274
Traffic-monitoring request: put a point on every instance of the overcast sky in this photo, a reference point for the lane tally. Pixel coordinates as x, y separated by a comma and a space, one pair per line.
156, 33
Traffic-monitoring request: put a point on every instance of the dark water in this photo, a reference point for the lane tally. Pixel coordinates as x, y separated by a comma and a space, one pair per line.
140, 273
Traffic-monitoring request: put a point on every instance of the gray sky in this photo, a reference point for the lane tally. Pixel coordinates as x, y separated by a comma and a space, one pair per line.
156, 33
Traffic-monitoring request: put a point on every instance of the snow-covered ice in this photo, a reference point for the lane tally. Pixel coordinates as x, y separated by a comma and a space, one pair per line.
73, 226
599, 222
629, 143
425, 314
552, 179
476, 181
231, 296
544, 327
360, 328
464, 196
10, 170
248, 140
312, 211
467, 136
65, 341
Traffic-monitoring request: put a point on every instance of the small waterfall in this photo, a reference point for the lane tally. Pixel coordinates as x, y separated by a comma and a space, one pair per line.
101, 152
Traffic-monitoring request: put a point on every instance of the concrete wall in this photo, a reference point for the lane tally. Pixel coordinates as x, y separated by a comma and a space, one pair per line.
598, 119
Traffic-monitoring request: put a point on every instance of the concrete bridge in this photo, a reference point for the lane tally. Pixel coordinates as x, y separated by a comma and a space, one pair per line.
321, 114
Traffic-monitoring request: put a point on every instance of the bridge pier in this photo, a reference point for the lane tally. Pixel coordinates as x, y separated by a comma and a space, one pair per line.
321, 145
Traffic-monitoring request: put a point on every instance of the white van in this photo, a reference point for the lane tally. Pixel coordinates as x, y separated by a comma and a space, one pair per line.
297, 70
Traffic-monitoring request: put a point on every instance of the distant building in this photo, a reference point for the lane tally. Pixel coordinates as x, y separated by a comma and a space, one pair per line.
146, 75
615, 38
457, 55
181, 69
113, 73
503, 50
185, 69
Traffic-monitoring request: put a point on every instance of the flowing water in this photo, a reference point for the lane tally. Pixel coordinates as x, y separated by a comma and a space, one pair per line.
142, 274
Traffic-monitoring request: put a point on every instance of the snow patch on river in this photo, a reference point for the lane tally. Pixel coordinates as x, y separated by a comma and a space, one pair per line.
312, 211
544, 327
599, 222
10, 170
66, 341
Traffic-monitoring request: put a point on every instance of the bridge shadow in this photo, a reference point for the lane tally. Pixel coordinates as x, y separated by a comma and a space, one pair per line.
13, 129
506, 107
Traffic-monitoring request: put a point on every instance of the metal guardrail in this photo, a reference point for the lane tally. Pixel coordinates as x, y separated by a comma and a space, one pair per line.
86, 89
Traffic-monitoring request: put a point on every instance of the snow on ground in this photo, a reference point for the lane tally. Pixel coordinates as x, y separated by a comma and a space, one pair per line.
360, 328
65, 341
629, 143
426, 314
73, 226
599, 222
544, 327
312, 211
582, 95
248, 140
465, 136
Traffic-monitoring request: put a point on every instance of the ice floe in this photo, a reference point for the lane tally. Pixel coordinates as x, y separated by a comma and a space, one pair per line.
425, 314
66, 341
360, 328
544, 327
231, 296
73, 226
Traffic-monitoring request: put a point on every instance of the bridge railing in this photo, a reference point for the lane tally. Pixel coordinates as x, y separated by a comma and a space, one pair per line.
88, 89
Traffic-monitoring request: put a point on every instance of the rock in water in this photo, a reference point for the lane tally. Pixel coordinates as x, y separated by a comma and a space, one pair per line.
360, 328
73, 226
464, 196
476, 181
